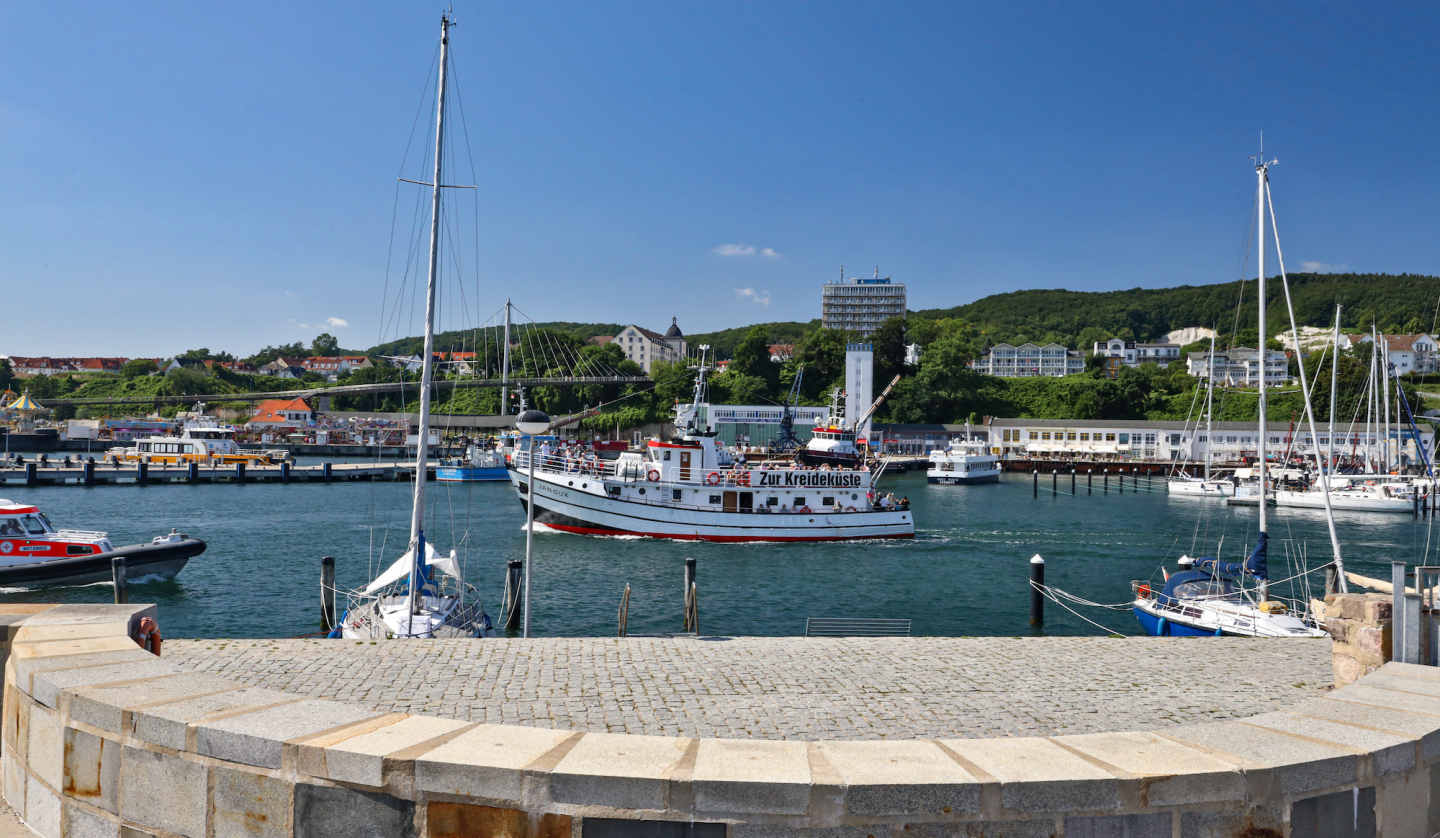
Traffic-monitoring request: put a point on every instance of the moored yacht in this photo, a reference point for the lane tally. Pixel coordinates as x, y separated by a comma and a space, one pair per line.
690, 488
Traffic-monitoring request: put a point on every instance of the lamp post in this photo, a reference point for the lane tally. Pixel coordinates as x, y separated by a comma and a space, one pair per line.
530, 423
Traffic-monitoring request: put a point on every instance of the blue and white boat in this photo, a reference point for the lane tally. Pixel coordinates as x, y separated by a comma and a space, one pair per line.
1209, 598
478, 465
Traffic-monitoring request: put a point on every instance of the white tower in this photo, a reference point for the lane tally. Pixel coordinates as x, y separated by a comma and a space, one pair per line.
859, 383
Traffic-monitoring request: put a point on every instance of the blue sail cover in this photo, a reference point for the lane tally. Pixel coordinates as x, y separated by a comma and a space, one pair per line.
1255, 565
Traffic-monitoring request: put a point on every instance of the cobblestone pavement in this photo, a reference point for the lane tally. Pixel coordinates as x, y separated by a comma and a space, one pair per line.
792, 688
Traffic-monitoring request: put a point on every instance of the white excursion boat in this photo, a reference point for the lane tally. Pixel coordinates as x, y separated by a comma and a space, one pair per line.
690, 488
201, 440
962, 462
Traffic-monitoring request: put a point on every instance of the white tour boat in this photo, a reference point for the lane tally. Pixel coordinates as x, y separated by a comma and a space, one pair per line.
690, 488
962, 462
201, 440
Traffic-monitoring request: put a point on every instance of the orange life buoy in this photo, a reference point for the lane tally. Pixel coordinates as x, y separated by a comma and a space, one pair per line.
1144, 591
712, 479
147, 636
653, 475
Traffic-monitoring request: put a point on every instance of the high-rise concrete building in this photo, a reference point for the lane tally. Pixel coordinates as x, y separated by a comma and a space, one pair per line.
859, 383
861, 305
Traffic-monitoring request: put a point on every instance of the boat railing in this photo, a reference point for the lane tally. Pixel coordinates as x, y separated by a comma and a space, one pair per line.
95, 534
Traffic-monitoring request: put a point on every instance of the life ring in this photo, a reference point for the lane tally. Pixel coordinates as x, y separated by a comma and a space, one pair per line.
147, 636
1144, 591
653, 475
712, 479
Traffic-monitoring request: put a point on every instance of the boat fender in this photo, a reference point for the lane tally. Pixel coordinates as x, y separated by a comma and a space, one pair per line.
712, 479
147, 636
653, 475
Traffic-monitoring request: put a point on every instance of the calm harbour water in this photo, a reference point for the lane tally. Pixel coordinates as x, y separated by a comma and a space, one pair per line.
965, 573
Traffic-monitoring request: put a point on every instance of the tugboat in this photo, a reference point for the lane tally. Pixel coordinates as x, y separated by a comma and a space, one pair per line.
33, 552
690, 488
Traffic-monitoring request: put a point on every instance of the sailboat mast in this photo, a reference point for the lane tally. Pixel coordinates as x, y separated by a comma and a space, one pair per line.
1383, 347
505, 366
422, 458
1210, 408
1334, 382
1261, 170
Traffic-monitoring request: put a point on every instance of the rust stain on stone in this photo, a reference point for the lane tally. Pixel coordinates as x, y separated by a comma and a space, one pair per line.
461, 820
72, 788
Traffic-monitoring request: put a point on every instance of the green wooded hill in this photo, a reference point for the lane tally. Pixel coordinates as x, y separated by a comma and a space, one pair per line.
1403, 303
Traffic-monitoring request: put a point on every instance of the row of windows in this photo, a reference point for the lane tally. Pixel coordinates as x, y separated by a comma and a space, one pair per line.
1173, 439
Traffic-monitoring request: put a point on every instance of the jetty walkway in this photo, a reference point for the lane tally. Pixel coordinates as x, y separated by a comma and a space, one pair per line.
791, 688
111, 474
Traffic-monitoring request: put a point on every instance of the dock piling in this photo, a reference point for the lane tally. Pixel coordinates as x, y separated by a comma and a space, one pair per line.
89, 474
624, 611
327, 593
1037, 585
1072, 481
512, 594
1055, 482
142, 472
240, 472
29, 474
1035, 492
1090, 482
285, 471
1106, 477
192, 473
325, 472
689, 587
117, 575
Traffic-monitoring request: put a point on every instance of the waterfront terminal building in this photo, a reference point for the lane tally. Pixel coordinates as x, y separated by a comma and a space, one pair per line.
1143, 439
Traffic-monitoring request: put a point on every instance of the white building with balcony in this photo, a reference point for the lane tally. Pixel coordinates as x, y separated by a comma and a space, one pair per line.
1028, 361
1133, 354
1408, 353
1240, 367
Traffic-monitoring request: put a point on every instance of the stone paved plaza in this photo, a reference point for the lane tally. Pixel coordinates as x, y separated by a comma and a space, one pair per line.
792, 688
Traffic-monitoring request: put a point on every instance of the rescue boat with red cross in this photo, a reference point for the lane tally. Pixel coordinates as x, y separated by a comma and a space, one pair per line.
689, 487
34, 552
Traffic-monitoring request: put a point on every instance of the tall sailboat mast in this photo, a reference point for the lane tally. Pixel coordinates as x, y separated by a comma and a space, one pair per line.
1334, 382
1262, 171
422, 454
1210, 406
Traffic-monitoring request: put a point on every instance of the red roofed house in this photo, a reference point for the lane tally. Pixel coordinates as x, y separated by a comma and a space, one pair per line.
282, 413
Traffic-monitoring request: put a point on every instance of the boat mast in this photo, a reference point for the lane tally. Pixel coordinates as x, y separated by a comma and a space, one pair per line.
505, 366
1382, 398
1262, 169
422, 458
1334, 382
1210, 408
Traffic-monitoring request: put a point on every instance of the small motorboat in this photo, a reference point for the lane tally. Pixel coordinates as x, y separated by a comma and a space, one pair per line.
34, 552
478, 465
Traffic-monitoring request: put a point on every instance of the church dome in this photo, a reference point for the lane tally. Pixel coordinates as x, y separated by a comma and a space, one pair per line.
674, 330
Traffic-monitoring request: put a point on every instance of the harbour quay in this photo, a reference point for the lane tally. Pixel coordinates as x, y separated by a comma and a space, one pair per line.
705, 736
102, 474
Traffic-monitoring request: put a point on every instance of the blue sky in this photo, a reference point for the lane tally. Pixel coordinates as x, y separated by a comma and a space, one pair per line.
223, 175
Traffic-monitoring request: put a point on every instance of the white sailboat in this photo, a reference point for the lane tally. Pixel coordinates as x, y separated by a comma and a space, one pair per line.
422, 594
1206, 486
1209, 597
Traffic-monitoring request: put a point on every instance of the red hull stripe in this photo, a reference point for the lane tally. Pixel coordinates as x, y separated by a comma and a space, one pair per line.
679, 537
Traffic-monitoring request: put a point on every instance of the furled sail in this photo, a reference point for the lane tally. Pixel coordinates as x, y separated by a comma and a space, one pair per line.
401, 568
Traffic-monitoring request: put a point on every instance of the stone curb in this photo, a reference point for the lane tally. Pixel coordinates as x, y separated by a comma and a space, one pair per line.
102, 739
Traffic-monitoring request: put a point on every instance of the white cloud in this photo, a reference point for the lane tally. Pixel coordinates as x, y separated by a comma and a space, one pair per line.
303, 325
336, 323
761, 297
291, 294
733, 250
1322, 267
769, 253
